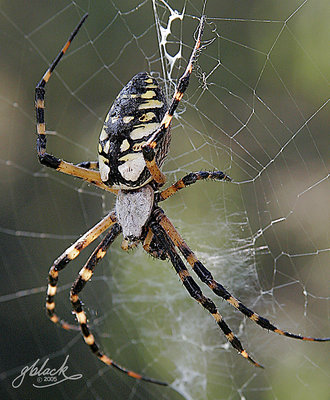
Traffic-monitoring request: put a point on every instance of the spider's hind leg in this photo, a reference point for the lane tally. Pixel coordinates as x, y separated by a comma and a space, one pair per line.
80, 171
88, 165
148, 149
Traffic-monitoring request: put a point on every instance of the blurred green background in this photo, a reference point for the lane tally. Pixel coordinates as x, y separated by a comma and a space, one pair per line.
256, 108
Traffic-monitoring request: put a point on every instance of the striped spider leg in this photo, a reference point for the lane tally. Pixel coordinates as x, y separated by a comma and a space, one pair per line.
89, 165
206, 277
191, 178
62, 261
148, 149
84, 276
80, 170
86, 273
193, 289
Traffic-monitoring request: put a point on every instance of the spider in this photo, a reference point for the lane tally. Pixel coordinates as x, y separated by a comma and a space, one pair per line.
132, 147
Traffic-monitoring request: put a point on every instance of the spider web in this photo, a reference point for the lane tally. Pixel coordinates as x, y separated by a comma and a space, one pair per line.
256, 108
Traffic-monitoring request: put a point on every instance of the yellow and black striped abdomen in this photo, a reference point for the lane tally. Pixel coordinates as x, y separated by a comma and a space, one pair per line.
134, 116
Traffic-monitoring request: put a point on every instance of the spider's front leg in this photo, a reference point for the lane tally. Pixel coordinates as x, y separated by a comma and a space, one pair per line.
192, 287
61, 262
205, 276
84, 276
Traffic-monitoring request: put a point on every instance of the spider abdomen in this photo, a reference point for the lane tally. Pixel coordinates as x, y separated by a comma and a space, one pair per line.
134, 116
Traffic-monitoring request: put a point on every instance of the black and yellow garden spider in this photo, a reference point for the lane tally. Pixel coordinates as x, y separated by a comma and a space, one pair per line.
133, 145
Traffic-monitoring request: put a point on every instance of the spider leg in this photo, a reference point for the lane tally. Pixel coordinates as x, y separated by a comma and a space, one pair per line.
147, 241
152, 246
191, 178
205, 276
195, 291
61, 262
84, 276
88, 165
148, 149
48, 159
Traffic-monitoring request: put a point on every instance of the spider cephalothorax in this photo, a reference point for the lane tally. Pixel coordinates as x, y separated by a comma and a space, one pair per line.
133, 145
133, 209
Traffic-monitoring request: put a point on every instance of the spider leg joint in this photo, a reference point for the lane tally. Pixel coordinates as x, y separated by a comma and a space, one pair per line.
148, 153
